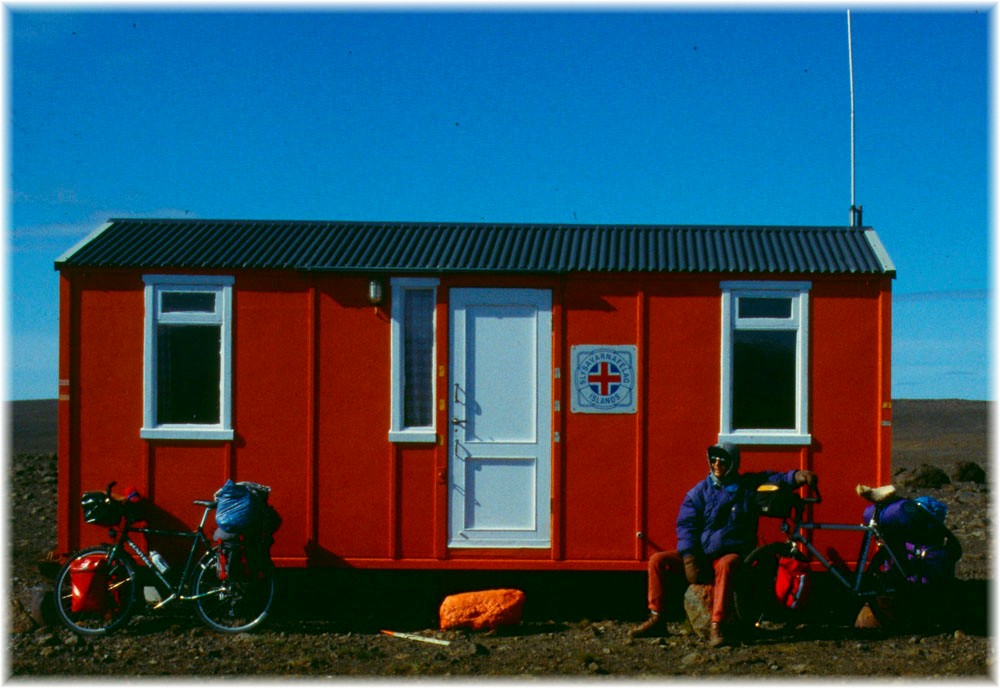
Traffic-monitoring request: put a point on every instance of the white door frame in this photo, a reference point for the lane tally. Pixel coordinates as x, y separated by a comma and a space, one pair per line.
500, 406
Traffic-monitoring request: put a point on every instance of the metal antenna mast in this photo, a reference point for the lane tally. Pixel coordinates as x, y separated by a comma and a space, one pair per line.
855, 218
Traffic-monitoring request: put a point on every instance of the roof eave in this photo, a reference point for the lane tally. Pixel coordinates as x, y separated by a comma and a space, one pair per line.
61, 260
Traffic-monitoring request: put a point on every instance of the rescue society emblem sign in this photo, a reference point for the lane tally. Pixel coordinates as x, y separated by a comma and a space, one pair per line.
603, 379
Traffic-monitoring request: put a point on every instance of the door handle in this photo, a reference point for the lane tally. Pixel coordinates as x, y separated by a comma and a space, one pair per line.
458, 421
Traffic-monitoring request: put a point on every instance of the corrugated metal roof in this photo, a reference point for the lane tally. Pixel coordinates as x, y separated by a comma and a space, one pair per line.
480, 247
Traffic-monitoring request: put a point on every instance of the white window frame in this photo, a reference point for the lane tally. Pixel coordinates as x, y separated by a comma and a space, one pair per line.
798, 321
156, 285
398, 432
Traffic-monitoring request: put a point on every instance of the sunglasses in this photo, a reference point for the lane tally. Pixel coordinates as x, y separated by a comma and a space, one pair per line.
719, 459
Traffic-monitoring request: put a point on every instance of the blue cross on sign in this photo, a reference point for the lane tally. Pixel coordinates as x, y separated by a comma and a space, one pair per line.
604, 378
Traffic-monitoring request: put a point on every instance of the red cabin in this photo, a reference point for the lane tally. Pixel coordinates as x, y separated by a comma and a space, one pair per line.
468, 396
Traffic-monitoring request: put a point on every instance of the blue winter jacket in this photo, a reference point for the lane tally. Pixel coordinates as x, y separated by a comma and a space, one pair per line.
721, 519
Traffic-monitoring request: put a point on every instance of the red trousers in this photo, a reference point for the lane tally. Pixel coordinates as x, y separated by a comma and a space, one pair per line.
667, 582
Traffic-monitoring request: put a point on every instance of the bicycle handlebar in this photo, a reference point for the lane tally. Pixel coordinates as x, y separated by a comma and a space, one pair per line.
813, 500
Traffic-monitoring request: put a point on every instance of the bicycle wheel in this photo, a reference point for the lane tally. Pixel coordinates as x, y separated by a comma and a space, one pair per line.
96, 594
755, 599
236, 604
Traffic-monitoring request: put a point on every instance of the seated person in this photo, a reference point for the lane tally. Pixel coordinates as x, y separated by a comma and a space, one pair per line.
716, 529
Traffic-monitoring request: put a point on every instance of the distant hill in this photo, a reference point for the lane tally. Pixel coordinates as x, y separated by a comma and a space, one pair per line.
924, 430
34, 426
939, 432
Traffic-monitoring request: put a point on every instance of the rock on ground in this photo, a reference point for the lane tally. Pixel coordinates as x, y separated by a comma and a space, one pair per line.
698, 607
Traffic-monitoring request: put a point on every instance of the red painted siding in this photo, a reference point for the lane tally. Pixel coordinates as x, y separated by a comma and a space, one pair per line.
105, 391
354, 456
683, 391
599, 523
311, 413
271, 389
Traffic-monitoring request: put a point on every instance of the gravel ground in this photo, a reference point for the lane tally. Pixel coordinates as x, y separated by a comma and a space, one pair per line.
575, 625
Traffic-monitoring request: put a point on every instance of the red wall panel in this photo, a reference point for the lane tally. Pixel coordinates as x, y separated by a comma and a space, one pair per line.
417, 477
179, 474
600, 494
683, 392
106, 391
272, 387
354, 455
845, 400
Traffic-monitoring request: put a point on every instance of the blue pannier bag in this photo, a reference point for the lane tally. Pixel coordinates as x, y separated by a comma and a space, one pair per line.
936, 509
240, 506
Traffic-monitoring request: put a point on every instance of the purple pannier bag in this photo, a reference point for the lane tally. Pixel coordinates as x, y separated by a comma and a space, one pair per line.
932, 564
921, 535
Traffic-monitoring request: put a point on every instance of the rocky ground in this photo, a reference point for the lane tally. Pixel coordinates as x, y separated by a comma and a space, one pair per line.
328, 622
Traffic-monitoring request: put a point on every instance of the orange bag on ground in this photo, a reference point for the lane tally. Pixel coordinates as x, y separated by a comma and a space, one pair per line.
486, 609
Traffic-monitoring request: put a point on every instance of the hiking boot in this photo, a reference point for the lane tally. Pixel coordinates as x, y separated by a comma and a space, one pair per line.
715, 635
653, 626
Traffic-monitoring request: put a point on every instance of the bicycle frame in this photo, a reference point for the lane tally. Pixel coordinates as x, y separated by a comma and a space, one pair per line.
125, 544
872, 537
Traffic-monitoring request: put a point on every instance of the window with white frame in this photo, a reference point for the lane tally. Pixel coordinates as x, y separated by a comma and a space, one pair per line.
413, 353
765, 366
187, 357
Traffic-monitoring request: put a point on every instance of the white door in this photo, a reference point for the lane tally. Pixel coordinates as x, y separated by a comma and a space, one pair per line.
501, 421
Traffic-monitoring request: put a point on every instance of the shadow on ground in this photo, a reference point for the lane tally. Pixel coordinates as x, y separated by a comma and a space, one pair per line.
350, 600
366, 600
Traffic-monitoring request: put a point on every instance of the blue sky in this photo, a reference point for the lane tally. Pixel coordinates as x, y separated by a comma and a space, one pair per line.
657, 115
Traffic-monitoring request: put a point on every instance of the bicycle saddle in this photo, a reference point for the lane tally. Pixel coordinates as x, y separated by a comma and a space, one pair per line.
876, 495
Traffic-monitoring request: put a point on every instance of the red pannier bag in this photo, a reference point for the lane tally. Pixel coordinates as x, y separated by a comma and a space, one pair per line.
792, 584
89, 578
233, 559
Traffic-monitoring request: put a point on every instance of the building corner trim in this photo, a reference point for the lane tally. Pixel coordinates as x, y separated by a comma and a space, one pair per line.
880, 252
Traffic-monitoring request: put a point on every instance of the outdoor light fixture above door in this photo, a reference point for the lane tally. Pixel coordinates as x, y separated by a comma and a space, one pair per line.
374, 292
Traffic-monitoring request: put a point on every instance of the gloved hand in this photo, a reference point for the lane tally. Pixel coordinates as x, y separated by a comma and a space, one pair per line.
806, 478
693, 569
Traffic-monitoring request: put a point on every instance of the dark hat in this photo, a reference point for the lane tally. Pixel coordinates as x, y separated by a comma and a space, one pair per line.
727, 451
